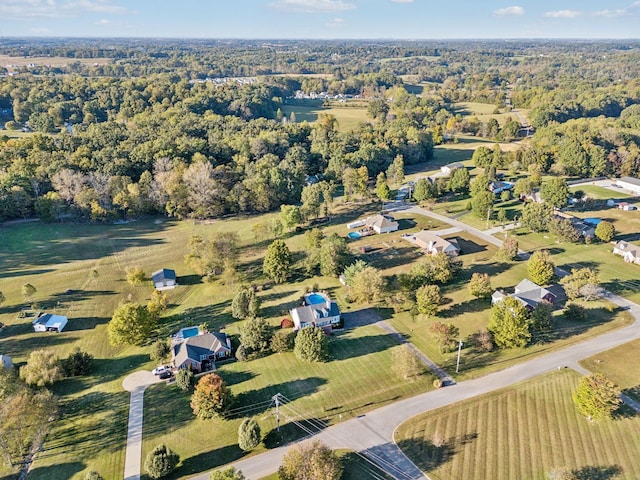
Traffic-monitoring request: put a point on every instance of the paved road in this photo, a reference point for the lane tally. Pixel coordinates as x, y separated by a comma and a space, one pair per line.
136, 383
372, 434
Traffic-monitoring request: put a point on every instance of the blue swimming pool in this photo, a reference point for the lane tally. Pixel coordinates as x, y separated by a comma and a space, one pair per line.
354, 235
190, 332
314, 299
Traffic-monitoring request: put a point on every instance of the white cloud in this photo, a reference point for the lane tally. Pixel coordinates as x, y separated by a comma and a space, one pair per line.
336, 23
403, 1
312, 6
562, 14
632, 9
25, 9
103, 22
509, 11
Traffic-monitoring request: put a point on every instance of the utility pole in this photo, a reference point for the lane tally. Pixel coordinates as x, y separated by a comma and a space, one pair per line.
276, 398
457, 363
488, 215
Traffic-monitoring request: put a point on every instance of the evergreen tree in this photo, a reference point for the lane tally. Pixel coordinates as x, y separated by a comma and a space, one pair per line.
277, 261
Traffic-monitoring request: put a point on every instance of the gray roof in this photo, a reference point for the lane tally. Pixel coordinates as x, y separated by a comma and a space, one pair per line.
454, 165
628, 247
195, 347
164, 274
381, 221
312, 313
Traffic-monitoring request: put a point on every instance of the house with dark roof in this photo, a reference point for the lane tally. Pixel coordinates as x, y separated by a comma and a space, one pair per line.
528, 294
629, 252
498, 186
318, 310
164, 279
47, 322
199, 352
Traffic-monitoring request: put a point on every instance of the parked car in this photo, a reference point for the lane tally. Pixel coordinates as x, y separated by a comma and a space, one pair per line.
161, 369
166, 374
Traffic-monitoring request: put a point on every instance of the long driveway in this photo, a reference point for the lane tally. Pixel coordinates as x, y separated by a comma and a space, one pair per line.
372, 434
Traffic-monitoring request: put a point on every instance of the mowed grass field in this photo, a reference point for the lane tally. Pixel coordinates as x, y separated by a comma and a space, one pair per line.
358, 378
619, 366
522, 432
484, 111
347, 117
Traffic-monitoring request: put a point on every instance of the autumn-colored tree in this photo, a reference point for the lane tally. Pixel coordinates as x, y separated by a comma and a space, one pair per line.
480, 285
596, 397
540, 267
311, 460
211, 397
446, 334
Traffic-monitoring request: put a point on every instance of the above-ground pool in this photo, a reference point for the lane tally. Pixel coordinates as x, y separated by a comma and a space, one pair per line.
314, 299
354, 235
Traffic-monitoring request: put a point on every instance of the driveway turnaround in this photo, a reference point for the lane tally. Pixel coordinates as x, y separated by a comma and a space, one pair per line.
372, 434
136, 383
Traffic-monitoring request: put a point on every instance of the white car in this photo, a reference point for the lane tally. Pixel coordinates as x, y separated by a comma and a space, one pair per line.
161, 369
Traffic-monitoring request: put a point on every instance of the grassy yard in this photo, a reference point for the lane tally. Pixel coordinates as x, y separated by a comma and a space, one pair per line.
618, 364
358, 378
523, 431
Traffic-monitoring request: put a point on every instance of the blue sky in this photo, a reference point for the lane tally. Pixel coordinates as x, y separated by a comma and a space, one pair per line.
407, 19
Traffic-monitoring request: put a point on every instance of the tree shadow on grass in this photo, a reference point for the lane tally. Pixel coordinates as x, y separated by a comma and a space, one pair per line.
468, 306
189, 279
234, 378
566, 328
85, 323
207, 461
24, 273
61, 470
430, 454
294, 430
28, 342
596, 472
344, 347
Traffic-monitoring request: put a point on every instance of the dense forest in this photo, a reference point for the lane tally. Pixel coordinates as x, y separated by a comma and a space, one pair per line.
148, 129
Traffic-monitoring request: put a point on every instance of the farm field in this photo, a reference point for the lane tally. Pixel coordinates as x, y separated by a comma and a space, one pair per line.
618, 365
524, 431
53, 61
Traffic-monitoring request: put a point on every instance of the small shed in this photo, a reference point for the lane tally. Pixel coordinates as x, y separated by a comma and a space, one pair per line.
47, 322
164, 279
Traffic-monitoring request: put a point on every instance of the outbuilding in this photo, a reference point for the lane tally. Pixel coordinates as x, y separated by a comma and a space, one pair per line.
164, 279
48, 322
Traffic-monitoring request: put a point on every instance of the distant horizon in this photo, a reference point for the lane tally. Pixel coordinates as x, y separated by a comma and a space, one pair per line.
321, 19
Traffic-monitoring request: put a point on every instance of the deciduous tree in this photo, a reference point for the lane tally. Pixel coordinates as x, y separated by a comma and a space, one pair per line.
446, 335
43, 368
509, 249
368, 285
582, 282
555, 192
290, 216
311, 345
227, 474
131, 324
536, 216
245, 304
135, 275
596, 397
334, 255
406, 364
480, 285
605, 231
509, 324
255, 335
211, 397
311, 460
428, 299
540, 267
277, 261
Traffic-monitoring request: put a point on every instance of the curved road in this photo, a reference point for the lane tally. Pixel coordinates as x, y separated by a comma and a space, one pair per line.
372, 434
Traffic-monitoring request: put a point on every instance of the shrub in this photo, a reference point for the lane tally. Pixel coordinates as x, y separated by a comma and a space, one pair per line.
286, 323
575, 312
228, 474
437, 383
161, 461
249, 434
483, 340
185, 379
283, 341
255, 335
241, 354
160, 350
77, 363
93, 475
135, 275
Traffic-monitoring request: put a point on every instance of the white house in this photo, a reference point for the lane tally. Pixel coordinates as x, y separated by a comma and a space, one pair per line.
47, 322
432, 243
317, 310
629, 252
164, 279
630, 183
448, 169
382, 223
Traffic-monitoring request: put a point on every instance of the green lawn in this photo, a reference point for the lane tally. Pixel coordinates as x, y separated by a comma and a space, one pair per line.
348, 117
593, 191
484, 111
523, 431
619, 365
358, 378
